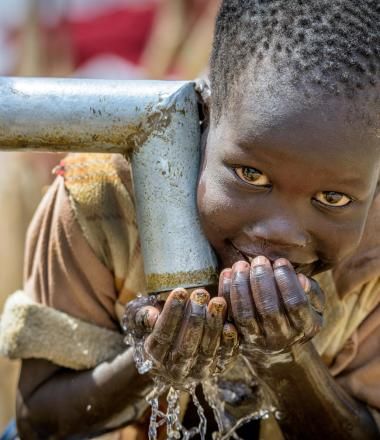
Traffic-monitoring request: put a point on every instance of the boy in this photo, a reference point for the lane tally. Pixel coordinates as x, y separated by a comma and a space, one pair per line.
287, 190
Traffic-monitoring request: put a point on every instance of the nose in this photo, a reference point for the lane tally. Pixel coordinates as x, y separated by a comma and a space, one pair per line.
285, 232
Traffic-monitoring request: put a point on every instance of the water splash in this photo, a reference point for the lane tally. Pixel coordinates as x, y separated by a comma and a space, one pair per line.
143, 364
152, 433
257, 415
173, 425
202, 428
227, 427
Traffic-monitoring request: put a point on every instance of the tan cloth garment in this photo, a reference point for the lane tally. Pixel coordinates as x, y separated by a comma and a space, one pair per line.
82, 253
361, 375
61, 270
20, 193
84, 259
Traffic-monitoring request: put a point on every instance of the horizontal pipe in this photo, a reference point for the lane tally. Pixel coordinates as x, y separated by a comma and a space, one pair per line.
83, 115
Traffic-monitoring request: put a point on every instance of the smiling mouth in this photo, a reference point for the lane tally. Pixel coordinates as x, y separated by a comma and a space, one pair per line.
307, 269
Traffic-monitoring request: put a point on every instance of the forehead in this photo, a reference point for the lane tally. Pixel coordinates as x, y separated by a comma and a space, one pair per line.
279, 119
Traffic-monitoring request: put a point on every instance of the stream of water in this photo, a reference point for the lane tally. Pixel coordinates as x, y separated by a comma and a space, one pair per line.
171, 417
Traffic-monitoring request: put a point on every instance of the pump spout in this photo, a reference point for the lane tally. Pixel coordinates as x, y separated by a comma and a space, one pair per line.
157, 124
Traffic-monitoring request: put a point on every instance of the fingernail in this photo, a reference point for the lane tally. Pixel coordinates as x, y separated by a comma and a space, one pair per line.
200, 296
146, 318
229, 331
240, 266
305, 282
226, 273
280, 262
260, 261
180, 294
217, 306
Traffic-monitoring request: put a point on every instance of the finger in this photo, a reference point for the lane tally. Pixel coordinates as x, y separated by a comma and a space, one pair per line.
159, 341
224, 289
274, 323
190, 334
314, 292
294, 297
146, 318
132, 308
228, 347
215, 315
242, 302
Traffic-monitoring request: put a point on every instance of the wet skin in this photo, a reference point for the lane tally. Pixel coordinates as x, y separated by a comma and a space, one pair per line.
284, 188
284, 193
288, 179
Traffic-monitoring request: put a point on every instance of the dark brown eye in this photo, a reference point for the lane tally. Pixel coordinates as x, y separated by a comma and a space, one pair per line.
332, 198
252, 176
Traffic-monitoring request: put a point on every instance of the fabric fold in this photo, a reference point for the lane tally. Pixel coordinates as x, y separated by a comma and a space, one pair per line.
32, 330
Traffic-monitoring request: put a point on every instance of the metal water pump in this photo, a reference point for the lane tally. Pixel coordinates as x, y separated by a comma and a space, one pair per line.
155, 123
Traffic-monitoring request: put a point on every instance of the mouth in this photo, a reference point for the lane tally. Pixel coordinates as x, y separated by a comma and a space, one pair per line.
307, 269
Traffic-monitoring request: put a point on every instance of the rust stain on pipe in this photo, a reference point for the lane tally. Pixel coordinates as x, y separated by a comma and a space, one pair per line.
158, 282
114, 138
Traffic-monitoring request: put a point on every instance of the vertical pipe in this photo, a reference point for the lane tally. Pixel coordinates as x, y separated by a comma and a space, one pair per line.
165, 172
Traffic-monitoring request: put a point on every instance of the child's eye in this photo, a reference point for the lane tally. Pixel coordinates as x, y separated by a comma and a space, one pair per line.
252, 176
332, 198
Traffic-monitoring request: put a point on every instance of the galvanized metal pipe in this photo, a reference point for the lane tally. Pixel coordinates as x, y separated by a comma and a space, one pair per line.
80, 114
157, 122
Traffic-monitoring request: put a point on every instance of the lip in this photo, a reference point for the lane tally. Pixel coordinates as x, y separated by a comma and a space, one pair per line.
305, 268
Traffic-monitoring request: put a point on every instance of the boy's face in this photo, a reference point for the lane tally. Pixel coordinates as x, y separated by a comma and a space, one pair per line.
284, 176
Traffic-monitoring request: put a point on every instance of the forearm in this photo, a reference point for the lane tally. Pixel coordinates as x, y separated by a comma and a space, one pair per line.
309, 401
70, 403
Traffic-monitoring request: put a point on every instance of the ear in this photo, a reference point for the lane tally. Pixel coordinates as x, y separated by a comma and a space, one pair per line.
202, 87
373, 219
377, 190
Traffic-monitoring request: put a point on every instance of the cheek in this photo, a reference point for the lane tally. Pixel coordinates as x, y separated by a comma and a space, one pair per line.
209, 199
215, 206
341, 241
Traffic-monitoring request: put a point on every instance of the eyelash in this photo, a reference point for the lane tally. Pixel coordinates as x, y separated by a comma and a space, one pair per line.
314, 199
252, 185
326, 206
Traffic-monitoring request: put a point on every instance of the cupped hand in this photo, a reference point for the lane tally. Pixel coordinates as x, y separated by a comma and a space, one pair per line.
187, 338
273, 307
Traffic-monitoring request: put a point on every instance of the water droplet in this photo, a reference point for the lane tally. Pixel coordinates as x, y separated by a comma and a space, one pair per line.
278, 415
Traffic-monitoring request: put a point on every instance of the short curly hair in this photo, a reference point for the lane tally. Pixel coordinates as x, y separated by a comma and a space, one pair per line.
332, 43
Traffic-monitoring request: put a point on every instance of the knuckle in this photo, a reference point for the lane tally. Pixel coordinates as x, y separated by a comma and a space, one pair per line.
271, 314
277, 328
267, 303
295, 302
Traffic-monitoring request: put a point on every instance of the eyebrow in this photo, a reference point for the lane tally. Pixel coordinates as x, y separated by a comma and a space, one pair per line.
352, 182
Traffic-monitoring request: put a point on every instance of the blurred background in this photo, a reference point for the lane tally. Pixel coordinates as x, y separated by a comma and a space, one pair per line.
115, 39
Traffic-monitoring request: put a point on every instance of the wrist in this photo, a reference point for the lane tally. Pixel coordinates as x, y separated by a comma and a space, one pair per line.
265, 362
